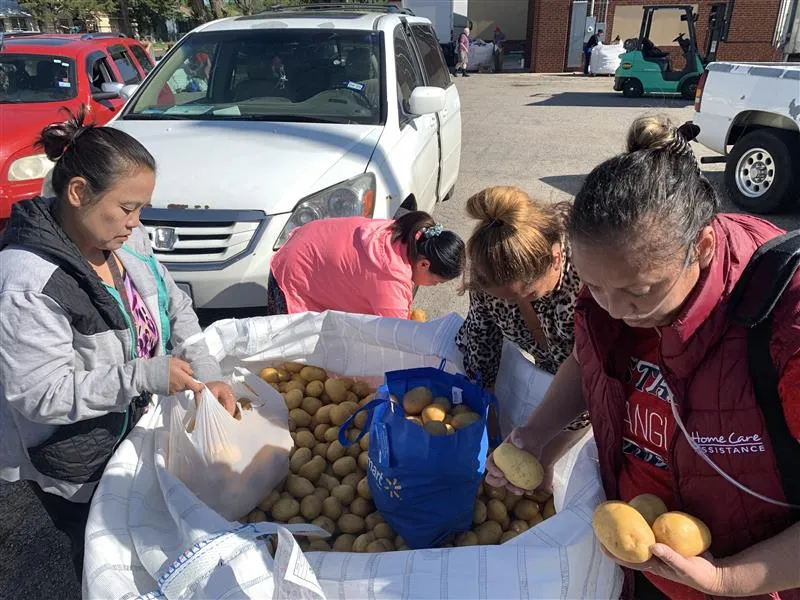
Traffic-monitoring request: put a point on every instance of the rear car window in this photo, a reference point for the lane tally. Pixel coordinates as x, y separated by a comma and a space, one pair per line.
432, 57
144, 60
36, 78
124, 64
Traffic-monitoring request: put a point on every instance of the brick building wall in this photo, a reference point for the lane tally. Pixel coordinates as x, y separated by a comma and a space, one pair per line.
749, 39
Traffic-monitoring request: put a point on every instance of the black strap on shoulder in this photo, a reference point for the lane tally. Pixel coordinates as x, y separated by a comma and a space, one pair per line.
751, 304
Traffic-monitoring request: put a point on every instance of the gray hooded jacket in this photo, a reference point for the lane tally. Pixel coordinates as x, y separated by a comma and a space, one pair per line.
68, 365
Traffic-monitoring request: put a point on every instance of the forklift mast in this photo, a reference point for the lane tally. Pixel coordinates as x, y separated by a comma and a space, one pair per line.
689, 16
719, 24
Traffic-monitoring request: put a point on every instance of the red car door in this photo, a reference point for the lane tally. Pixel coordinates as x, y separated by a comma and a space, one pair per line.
100, 70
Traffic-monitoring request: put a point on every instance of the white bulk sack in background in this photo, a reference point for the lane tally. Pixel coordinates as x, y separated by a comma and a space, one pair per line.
606, 59
143, 518
481, 54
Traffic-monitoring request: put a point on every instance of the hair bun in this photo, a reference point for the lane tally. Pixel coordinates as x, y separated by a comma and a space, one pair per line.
57, 137
499, 206
651, 133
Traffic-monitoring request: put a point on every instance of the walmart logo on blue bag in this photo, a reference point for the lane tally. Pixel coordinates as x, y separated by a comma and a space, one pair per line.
391, 485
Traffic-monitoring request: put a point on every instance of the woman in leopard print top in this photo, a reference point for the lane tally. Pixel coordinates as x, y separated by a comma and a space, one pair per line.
522, 284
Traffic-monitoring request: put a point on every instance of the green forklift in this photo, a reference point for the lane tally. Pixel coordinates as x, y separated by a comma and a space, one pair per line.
647, 69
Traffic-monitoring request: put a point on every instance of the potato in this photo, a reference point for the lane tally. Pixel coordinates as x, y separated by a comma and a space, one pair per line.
344, 543
344, 466
526, 509
320, 449
342, 412
540, 496
323, 415
433, 412
549, 508
415, 420
384, 531
305, 439
435, 428
344, 494
321, 493
352, 398
298, 520
520, 468
366, 400
311, 507
494, 492
314, 389
508, 535
292, 367
362, 542
416, 400
332, 508
380, 545
353, 450
293, 385
685, 534
299, 458
327, 481
294, 399
311, 405
313, 374
449, 428
363, 489
285, 508
320, 430
335, 451
480, 513
361, 420
352, 479
489, 533
300, 417
336, 390
363, 461
623, 531
361, 506
326, 523
319, 545
361, 389
511, 500
468, 538
650, 505
535, 521
364, 443
372, 520
299, 487
267, 503
332, 433
460, 409
496, 510
313, 469
257, 516
444, 403
518, 526
464, 419
270, 375
349, 523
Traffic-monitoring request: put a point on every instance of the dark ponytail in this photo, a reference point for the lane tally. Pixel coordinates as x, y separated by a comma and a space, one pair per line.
425, 239
653, 198
100, 155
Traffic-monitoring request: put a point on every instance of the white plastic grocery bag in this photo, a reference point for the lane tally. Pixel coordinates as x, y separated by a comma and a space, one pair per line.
143, 518
230, 464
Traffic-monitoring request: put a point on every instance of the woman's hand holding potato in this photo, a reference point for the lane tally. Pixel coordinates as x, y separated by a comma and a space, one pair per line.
494, 475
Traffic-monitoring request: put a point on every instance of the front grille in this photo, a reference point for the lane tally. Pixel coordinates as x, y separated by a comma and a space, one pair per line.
204, 238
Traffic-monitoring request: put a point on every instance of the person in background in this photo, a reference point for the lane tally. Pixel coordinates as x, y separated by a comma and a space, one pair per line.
462, 48
522, 284
658, 360
90, 322
499, 41
593, 41
362, 265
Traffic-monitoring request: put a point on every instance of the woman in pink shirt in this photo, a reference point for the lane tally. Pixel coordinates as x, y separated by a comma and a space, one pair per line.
362, 265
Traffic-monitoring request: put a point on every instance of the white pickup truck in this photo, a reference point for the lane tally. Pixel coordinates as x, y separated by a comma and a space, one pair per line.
750, 114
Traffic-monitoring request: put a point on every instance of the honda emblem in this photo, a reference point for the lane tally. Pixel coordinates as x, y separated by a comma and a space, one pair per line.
164, 239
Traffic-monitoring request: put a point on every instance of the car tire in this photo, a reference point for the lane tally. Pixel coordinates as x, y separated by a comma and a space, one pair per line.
632, 88
689, 88
761, 173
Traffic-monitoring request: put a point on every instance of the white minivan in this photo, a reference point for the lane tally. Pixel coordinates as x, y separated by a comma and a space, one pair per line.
262, 123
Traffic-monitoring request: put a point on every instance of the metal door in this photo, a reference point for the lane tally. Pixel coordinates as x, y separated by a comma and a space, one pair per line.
577, 31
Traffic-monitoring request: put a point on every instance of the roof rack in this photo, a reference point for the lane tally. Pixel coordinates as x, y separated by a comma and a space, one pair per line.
339, 7
101, 35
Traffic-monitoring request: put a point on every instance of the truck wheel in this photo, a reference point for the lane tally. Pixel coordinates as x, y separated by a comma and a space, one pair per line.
632, 88
761, 172
689, 88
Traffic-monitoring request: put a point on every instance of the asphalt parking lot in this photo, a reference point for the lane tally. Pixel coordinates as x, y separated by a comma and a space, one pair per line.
541, 133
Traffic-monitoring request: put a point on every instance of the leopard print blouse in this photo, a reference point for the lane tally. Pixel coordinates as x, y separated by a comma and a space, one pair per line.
491, 319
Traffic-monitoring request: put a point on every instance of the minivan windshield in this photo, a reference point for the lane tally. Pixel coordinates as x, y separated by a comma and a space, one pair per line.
36, 78
303, 75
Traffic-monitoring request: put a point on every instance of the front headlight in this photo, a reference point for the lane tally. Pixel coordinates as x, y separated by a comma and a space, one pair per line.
352, 198
30, 167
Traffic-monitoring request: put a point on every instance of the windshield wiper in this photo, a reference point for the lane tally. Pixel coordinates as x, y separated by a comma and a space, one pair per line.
159, 117
287, 119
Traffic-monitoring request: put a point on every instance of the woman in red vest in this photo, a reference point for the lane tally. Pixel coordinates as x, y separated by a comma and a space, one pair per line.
665, 375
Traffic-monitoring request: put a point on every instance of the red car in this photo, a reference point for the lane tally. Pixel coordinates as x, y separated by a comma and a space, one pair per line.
39, 75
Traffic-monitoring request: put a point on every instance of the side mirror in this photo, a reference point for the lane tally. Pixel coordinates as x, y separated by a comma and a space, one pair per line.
127, 91
110, 91
427, 100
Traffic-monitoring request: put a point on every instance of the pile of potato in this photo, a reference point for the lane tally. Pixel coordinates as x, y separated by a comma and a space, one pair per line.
327, 483
628, 530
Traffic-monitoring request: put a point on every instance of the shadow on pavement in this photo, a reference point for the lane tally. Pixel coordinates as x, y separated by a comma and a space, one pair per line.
606, 100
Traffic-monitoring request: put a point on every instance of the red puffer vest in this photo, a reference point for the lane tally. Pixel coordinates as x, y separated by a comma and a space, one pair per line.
704, 360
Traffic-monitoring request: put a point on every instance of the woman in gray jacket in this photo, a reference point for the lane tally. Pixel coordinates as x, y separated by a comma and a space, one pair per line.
89, 322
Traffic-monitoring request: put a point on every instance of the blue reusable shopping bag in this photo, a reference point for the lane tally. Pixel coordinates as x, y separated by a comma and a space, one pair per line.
424, 486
